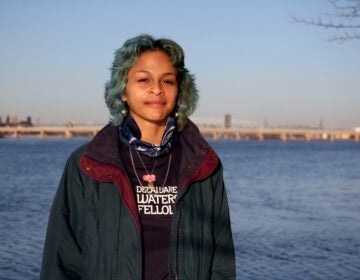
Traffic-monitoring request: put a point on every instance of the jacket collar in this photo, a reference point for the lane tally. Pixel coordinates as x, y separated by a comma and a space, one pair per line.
198, 158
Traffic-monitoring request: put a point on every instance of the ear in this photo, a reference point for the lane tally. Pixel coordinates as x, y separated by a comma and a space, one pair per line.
123, 98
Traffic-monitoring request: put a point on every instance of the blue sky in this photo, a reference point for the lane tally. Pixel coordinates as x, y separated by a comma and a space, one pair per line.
250, 60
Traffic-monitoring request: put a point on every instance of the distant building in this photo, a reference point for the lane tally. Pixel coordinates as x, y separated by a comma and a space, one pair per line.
14, 121
28, 122
228, 121
266, 124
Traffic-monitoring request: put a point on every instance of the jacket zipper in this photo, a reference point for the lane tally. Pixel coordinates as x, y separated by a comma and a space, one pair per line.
141, 254
179, 230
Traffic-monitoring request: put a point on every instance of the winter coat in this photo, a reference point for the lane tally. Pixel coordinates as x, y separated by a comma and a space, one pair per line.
94, 230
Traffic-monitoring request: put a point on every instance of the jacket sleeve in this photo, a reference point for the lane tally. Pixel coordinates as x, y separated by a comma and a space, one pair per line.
62, 250
224, 255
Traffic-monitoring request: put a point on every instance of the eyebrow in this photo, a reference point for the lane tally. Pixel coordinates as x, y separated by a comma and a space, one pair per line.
148, 72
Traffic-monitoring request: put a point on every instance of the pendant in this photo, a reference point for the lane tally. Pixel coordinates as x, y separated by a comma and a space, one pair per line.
150, 179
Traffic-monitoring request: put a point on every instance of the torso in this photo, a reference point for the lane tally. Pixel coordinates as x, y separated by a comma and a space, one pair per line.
155, 205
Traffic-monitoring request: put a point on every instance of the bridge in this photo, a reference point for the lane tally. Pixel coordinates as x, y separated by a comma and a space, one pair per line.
261, 134
48, 131
283, 134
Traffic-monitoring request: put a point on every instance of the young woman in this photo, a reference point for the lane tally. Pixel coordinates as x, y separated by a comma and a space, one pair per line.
145, 199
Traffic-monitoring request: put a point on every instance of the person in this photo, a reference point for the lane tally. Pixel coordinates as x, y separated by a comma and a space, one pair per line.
145, 199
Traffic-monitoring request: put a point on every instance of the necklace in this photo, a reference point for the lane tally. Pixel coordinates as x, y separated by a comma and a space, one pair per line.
150, 178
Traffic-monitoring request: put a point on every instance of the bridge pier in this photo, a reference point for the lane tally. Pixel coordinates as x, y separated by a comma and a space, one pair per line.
42, 134
216, 135
68, 134
16, 134
332, 137
283, 137
357, 137
260, 136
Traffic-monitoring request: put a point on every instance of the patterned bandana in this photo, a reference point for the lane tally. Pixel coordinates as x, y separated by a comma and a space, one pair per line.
129, 134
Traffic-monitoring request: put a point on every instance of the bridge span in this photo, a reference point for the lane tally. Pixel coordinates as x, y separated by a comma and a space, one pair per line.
48, 131
283, 134
260, 134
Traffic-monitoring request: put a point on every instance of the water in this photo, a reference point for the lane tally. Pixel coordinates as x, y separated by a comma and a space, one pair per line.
295, 206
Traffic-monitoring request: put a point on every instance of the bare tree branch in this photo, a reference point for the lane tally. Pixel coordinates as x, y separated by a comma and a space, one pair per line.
345, 18
349, 11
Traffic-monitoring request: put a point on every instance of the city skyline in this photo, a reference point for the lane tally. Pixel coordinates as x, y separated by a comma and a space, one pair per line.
249, 59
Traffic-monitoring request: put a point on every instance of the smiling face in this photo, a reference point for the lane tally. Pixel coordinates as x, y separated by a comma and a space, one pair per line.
151, 89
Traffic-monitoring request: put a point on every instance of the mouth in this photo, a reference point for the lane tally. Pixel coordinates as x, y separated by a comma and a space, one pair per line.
155, 104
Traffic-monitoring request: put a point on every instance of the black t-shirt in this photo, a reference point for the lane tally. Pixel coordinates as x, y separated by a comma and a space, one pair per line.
155, 205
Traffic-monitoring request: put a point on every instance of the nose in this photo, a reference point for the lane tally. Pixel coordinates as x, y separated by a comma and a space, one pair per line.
157, 88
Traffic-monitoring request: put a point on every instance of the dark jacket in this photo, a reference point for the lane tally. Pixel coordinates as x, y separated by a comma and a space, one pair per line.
94, 229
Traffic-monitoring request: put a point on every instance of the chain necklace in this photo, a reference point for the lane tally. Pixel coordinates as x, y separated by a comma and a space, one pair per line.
150, 178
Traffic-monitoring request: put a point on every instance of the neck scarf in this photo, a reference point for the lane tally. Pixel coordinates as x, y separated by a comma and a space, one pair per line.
129, 133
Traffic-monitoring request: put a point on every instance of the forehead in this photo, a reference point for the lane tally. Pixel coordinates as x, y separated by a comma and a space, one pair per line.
151, 61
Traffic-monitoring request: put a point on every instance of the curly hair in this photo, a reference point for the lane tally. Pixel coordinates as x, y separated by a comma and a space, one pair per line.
127, 56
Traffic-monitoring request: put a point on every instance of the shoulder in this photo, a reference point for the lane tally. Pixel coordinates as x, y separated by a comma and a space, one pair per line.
198, 159
72, 167
192, 141
75, 156
106, 137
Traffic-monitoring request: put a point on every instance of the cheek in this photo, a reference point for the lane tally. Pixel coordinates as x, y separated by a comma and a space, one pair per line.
176, 94
174, 99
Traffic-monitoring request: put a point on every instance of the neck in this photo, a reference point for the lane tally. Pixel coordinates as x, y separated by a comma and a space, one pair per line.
152, 132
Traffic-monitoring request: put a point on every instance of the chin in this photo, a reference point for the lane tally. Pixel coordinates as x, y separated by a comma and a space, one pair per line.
158, 119
158, 116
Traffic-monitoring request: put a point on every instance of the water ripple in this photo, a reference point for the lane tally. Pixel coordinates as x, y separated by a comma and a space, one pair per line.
294, 206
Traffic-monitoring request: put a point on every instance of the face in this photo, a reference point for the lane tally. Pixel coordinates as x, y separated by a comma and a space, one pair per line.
151, 89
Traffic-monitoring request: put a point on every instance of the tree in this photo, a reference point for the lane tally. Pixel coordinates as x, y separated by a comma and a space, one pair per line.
345, 19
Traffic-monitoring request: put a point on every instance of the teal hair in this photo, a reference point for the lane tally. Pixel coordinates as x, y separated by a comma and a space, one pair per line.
127, 56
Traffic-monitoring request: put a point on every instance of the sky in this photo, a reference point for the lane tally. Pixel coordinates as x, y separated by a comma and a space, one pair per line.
250, 60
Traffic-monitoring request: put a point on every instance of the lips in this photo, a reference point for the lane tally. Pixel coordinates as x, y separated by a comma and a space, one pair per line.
155, 103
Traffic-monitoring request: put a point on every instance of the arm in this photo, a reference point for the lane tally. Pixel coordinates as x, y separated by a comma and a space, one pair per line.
62, 251
224, 255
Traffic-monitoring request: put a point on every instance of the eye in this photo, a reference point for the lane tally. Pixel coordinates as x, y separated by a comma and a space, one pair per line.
144, 80
169, 82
